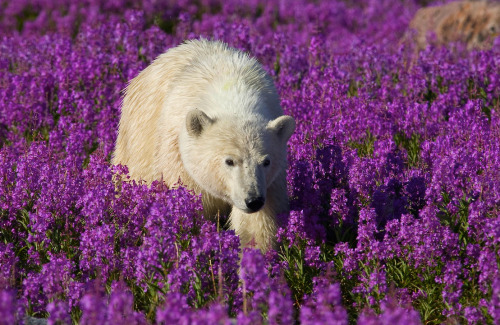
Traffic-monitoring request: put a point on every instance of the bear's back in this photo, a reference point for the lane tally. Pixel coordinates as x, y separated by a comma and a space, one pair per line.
220, 80
199, 74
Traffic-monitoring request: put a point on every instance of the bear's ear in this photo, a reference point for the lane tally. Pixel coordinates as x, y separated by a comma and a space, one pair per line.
283, 126
196, 121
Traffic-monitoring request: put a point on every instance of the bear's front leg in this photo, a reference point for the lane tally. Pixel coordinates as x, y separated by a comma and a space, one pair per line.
259, 228
254, 229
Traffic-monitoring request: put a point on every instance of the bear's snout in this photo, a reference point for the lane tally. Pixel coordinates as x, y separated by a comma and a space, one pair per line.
255, 203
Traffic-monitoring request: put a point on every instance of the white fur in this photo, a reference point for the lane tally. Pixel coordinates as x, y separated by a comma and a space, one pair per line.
196, 107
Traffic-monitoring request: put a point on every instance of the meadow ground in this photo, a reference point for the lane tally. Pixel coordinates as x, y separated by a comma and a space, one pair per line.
394, 174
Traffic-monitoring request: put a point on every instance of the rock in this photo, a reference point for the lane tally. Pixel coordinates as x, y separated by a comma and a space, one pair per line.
35, 321
475, 23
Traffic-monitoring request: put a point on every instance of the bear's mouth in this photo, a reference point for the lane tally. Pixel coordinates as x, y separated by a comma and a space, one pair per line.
248, 211
243, 208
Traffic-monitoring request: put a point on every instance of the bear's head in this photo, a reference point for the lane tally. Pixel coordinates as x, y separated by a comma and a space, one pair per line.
235, 160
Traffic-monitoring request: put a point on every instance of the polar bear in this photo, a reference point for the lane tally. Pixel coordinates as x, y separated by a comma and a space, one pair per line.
209, 116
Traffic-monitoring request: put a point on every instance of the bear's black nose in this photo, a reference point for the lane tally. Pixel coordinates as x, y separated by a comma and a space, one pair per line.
255, 203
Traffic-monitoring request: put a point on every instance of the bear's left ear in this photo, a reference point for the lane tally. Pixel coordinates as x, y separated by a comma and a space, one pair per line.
283, 126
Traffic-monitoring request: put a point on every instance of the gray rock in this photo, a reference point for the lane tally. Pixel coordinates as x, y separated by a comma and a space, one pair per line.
35, 321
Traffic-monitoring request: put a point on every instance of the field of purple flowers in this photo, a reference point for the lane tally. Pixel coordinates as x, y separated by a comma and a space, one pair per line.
394, 173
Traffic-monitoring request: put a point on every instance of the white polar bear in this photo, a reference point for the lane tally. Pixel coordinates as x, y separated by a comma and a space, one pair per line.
209, 116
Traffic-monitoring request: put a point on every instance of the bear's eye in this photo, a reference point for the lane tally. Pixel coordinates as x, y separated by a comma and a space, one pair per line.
266, 162
229, 162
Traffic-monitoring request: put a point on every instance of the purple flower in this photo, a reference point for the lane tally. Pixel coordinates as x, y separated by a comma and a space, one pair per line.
253, 273
324, 305
94, 309
58, 313
174, 311
8, 307
280, 307
8, 260
121, 307
391, 313
55, 281
494, 303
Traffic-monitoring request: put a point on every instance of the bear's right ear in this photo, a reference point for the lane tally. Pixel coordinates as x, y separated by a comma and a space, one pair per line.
196, 121
283, 126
